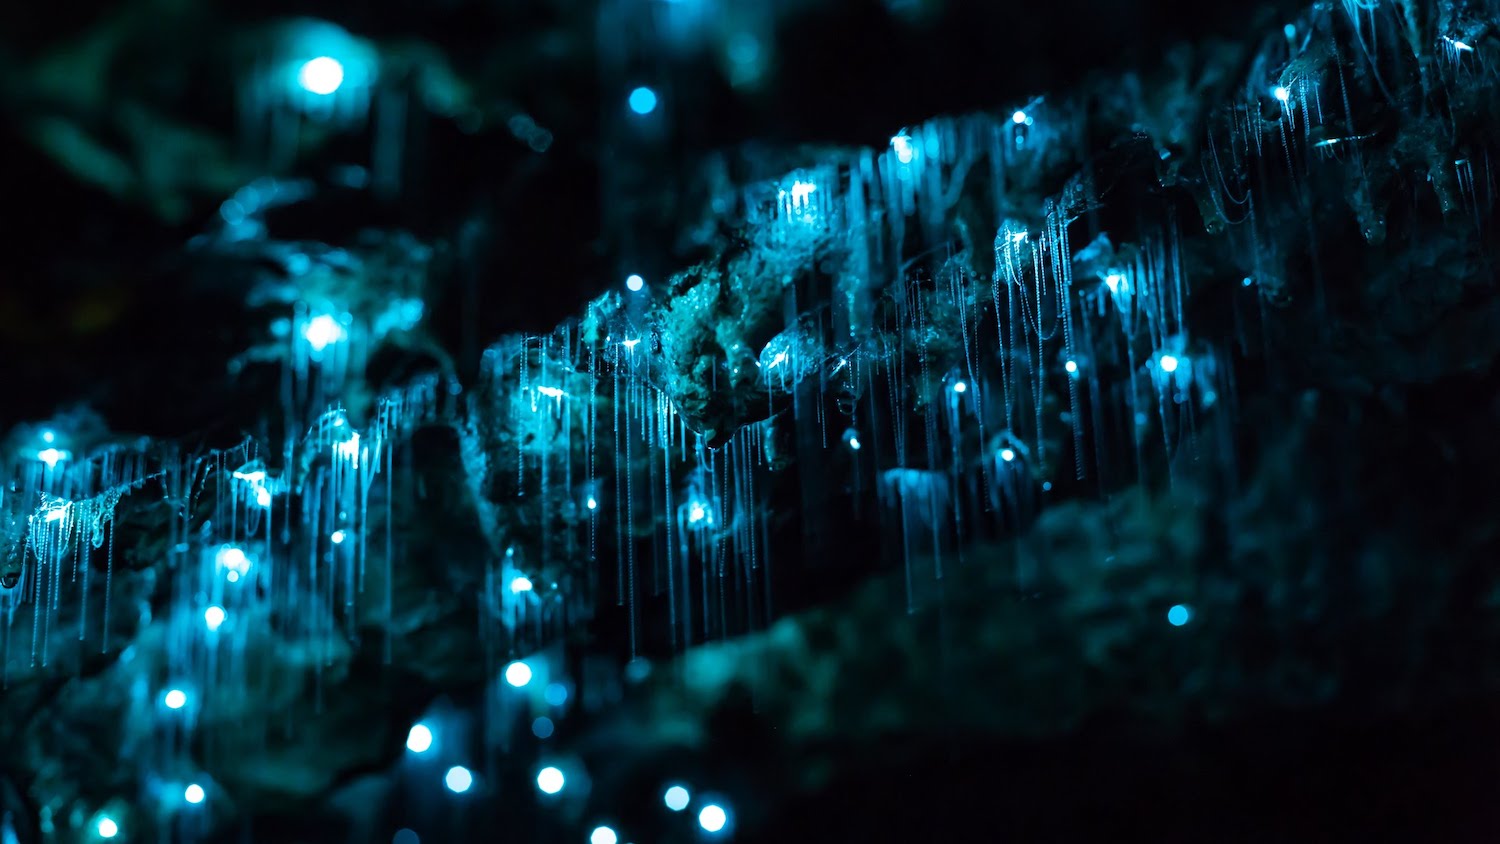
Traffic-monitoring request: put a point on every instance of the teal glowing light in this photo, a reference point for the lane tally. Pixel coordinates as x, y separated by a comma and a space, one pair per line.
1281, 93
550, 780
193, 794
213, 617
542, 727
406, 836
518, 674
902, 146
1018, 118
520, 584
458, 779
1007, 454
960, 387
643, 100
1179, 615
107, 827
712, 818
603, 835
322, 75
175, 699
556, 694
338, 537
1071, 366
634, 283
48, 437
1169, 363
51, 456
419, 738
322, 331
676, 798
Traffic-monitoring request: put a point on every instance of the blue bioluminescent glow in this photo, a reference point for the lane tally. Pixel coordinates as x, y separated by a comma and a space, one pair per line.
556, 694
322, 75
854, 443
550, 780
322, 331
458, 779
902, 146
1019, 117
263, 498
697, 512
542, 727
518, 674
643, 100
107, 828
1179, 615
1282, 93
960, 387
419, 738
634, 283
193, 793
48, 437
337, 537
213, 617
1007, 454
1247, 281
175, 699
603, 835
1115, 281
51, 456
406, 836
1290, 30
1168, 363
712, 818
232, 560
1071, 366
520, 584
592, 503
677, 798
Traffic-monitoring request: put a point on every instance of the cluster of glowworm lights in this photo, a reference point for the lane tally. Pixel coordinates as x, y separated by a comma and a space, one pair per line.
712, 816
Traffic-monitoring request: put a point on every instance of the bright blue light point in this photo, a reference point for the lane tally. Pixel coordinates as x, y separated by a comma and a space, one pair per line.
901, 145
643, 100
603, 835
712, 818
518, 674
322, 75
1018, 118
48, 436
107, 827
193, 794
960, 387
676, 798
1071, 366
550, 780
1169, 363
419, 739
1281, 93
556, 694
458, 779
520, 584
1179, 615
175, 699
634, 283
1007, 454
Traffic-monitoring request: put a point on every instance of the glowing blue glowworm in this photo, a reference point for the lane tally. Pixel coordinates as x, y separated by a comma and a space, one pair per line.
643, 100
